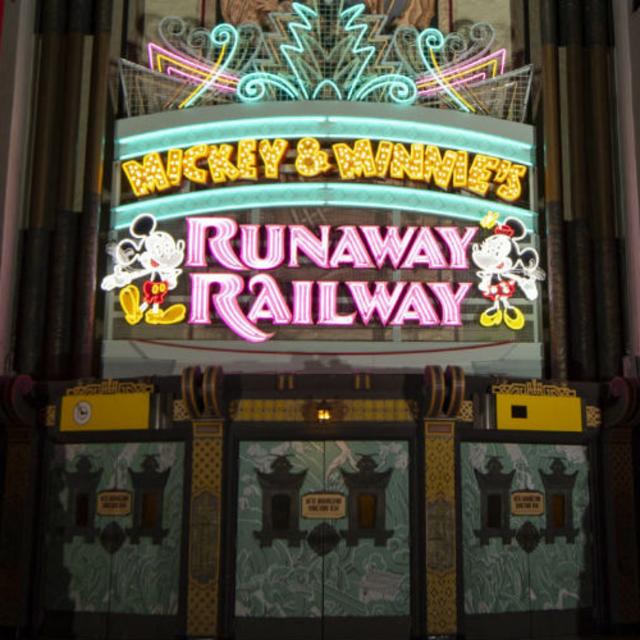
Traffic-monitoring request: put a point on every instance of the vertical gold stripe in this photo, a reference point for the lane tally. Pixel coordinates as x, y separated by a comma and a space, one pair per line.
206, 479
441, 500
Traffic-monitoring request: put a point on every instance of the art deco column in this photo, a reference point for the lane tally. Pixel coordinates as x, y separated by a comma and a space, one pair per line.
620, 420
18, 417
601, 192
44, 183
17, 55
582, 364
62, 264
444, 395
553, 192
201, 393
439, 445
84, 352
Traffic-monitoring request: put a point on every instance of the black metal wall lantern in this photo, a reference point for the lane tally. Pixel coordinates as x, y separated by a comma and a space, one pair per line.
367, 503
280, 504
495, 488
558, 486
148, 487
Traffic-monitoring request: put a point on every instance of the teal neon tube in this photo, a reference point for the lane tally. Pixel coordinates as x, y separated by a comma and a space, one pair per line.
332, 127
314, 194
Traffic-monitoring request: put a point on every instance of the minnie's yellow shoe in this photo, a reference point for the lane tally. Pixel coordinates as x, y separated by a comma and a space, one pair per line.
130, 303
514, 318
491, 317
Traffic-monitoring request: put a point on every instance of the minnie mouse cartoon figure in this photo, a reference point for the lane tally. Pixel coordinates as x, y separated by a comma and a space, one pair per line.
151, 254
504, 266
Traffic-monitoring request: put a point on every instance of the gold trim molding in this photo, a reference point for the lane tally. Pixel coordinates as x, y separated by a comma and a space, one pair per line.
106, 387
50, 415
594, 417
299, 410
533, 388
465, 413
179, 412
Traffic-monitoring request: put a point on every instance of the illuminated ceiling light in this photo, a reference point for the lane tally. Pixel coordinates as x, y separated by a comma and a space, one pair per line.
323, 412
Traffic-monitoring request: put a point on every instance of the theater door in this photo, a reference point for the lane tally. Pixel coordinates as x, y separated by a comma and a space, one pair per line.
526, 540
322, 544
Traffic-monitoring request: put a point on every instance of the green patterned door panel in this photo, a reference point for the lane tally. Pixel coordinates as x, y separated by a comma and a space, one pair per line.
276, 578
298, 569
107, 568
538, 561
370, 578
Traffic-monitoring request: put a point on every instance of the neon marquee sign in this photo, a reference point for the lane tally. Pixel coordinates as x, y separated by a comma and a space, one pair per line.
252, 160
219, 252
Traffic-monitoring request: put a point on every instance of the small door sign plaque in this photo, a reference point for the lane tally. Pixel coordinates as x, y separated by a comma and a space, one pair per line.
527, 503
114, 503
323, 506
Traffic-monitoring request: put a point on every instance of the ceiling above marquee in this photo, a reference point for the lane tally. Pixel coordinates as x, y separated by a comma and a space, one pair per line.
325, 51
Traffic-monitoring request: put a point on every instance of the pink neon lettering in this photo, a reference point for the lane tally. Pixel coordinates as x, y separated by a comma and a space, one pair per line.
250, 246
269, 303
304, 240
380, 302
219, 245
391, 247
416, 306
302, 301
328, 306
450, 302
225, 302
425, 250
350, 250
457, 246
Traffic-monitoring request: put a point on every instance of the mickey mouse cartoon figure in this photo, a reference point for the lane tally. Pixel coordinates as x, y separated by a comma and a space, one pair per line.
151, 254
504, 266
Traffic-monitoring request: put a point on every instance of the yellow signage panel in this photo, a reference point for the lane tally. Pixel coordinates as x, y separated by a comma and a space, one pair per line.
527, 503
538, 413
114, 503
324, 506
105, 412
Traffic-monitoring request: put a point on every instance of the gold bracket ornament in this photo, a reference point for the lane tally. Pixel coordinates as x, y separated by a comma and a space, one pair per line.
533, 388
444, 391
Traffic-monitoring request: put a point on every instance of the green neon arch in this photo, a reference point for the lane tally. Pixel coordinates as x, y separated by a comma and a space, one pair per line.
328, 121
319, 194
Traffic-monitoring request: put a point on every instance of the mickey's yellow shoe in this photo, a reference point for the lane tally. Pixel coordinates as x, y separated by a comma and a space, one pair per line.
153, 317
514, 318
491, 317
172, 315
130, 303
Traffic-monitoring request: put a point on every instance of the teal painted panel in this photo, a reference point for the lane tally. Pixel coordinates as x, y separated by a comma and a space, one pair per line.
277, 581
369, 580
561, 576
503, 578
141, 578
146, 576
